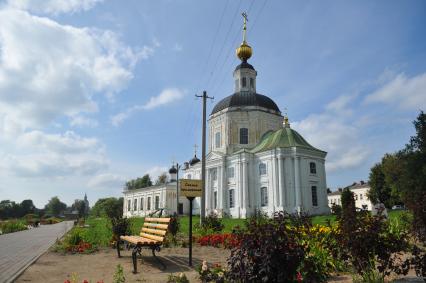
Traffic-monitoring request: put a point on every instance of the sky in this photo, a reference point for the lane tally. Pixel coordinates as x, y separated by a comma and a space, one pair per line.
97, 92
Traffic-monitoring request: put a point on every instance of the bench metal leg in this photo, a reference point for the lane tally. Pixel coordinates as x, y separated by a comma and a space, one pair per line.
136, 250
158, 260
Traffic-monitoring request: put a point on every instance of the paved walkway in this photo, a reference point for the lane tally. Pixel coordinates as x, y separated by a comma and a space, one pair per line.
20, 249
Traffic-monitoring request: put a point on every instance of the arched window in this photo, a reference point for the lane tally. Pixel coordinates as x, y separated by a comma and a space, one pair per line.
215, 200
135, 204
141, 204
263, 196
243, 82
243, 136
314, 196
251, 82
129, 207
262, 168
217, 140
148, 205
313, 167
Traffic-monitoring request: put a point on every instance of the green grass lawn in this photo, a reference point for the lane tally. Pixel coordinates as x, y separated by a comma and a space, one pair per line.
99, 231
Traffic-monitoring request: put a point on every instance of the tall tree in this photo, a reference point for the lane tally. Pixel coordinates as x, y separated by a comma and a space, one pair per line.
27, 206
162, 179
55, 206
138, 183
80, 206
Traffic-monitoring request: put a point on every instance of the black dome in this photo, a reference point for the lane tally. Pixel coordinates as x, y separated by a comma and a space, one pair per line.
244, 65
173, 170
194, 160
245, 98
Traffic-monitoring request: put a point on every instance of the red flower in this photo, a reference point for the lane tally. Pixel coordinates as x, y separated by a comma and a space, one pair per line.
299, 277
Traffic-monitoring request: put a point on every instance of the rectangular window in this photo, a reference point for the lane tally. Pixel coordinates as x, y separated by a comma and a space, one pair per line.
141, 204
264, 196
217, 140
243, 82
135, 204
148, 205
214, 174
231, 198
157, 202
243, 136
314, 196
236, 84
215, 199
251, 82
262, 168
231, 172
129, 206
360, 196
313, 167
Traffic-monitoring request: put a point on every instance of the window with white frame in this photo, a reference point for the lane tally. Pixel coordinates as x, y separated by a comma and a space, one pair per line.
313, 167
263, 196
262, 168
251, 82
243, 82
141, 204
231, 198
231, 172
314, 196
243, 136
217, 140
129, 206
189, 176
157, 202
215, 200
148, 205
135, 204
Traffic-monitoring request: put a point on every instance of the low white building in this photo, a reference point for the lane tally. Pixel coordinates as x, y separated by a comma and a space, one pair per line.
146, 201
359, 190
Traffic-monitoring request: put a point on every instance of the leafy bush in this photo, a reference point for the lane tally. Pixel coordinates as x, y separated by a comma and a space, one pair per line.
181, 278
212, 274
336, 209
268, 252
119, 275
212, 223
12, 226
120, 227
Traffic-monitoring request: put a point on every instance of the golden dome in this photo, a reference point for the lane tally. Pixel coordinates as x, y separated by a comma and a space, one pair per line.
244, 52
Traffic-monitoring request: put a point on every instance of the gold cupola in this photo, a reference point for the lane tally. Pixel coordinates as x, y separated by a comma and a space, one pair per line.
244, 52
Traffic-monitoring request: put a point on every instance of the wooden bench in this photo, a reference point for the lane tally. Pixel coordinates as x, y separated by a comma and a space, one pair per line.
151, 237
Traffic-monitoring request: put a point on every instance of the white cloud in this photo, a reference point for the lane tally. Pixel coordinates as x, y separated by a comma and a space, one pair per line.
107, 181
407, 93
63, 68
53, 6
40, 155
167, 96
81, 121
177, 47
337, 133
156, 171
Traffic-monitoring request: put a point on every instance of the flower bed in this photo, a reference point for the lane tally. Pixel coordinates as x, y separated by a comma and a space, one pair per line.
218, 240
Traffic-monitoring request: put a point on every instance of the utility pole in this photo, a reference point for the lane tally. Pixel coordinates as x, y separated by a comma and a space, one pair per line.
203, 158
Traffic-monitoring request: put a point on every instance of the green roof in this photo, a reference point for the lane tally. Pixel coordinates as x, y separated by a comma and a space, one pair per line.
283, 138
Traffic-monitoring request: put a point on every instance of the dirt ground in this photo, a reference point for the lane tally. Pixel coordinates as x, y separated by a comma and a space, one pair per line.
54, 267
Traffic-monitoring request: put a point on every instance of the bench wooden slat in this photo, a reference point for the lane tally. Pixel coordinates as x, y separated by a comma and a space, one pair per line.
156, 226
136, 239
162, 220
154, 231
152, 237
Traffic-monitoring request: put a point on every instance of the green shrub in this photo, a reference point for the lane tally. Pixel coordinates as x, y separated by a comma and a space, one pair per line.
12, 226
211, 224
267, 252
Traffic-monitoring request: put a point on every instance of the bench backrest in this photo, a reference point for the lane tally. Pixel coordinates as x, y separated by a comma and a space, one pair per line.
155, 228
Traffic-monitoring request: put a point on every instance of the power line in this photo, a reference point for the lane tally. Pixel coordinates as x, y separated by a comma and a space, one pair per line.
224, 42
214, 42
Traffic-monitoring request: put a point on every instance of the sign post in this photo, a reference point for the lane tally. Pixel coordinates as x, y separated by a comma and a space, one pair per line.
191, 189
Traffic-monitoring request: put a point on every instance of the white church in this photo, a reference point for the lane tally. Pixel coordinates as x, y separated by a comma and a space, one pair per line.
255, 160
